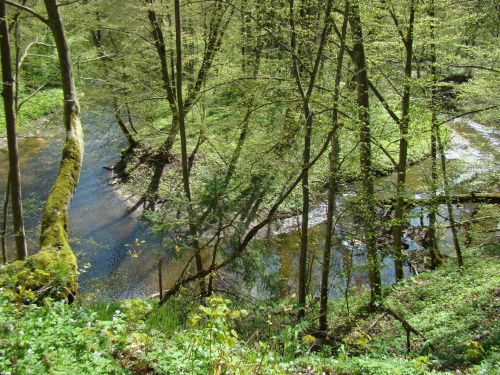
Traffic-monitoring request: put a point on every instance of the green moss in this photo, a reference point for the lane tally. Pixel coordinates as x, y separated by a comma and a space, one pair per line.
54, 268
55, 217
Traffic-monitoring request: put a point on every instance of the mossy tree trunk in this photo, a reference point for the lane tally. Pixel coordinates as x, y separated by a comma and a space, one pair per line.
368, 194
55, 251
10, 119
54, 233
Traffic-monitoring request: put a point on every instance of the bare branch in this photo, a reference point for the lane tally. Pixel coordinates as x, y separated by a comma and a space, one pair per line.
28, 10
469, 113
476, 67
253, 232
36, 91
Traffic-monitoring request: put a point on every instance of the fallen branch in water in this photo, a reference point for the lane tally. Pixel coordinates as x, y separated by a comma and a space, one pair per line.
485, 198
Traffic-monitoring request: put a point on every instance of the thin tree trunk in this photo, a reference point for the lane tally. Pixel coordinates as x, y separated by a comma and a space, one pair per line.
160, 276
403, 145
214, 40
3, 231
184, 156
306, 156
368, 196
10, 119
132, 143
114, 98
451, 216
332, 184
434, 254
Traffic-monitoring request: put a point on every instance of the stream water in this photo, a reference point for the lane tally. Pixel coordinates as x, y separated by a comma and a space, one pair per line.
101, 223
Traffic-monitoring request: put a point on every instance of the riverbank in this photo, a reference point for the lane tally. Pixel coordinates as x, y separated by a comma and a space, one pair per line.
453, 315
39, 128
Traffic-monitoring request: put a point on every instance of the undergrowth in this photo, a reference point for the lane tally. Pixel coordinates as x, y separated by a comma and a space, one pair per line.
45, 102
456, 313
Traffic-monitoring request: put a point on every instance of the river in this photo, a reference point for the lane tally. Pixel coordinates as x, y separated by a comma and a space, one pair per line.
101, 223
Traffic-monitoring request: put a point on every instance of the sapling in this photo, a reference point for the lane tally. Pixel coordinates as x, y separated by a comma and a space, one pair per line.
134, 254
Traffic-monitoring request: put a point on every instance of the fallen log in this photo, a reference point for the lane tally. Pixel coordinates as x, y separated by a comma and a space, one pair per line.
485, 198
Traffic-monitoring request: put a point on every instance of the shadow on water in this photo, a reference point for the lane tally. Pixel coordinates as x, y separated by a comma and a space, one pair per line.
101, 222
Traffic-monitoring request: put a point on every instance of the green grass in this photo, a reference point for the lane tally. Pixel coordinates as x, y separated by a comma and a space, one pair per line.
45, 102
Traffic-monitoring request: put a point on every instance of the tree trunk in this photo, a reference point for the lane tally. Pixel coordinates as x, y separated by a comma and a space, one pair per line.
434, 254
333, 184
214, 40
367, 196
10, 120
3, 231
306, 156
132, 143
403, 145
54, 228
451, 216
184, 156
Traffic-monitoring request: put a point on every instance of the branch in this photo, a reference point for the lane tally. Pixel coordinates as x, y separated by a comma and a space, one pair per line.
36, 91
407, 326
251, 234
27, 9
484, 198
384, 103
475, 67
469, 113
379, 145
71, 2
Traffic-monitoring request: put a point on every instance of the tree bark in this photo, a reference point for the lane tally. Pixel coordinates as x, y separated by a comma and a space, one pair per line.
403, 144
184, 157
434, 254
10, 119
54, 228
368, 196
3, 231
333, 184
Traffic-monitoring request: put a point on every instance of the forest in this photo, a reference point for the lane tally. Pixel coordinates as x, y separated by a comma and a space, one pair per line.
250, 187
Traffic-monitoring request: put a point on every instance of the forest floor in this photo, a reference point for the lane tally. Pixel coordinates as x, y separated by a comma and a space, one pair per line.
453, 316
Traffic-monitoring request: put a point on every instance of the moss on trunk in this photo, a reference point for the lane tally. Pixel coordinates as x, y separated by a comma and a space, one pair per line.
53, 270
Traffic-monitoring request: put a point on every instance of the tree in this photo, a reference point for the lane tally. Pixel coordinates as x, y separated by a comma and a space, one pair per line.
367, 194
434, 253
10, 117
54, 245
333, 181
308, 112
404, 123
97, 39
216, 29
